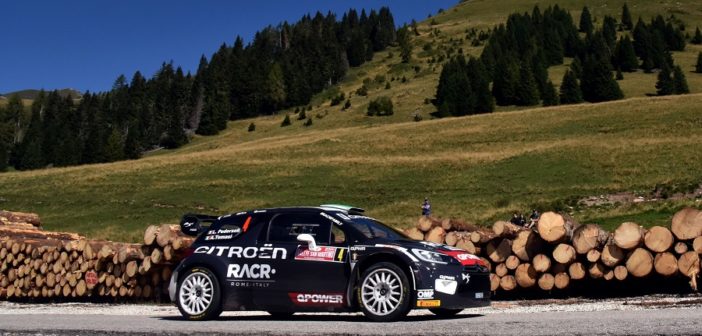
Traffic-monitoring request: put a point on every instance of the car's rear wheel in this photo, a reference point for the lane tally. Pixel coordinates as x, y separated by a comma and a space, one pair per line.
385, 293
444, 312
199, 296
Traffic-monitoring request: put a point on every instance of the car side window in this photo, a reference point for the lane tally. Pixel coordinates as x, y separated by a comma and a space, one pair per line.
338, 236
286, 228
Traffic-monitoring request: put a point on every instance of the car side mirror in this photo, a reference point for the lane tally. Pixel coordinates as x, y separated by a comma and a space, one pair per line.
307, 238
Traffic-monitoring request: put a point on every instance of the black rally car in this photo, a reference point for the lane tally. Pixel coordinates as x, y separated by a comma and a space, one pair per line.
329, 258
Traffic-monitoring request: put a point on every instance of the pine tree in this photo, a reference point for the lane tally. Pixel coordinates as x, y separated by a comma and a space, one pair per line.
586, 21
252, 127
308, 122
697, 39
550, 96
625, 55
570, 92
527, 93
114, 147
6, 138
30, 154
627, 23
679, 81
619, 76
480, 86
553, 46
505, 81
132, 146
609, 31
302, 115
576, 67
403, 39
286, 121
698, 65
665, 85
598, 84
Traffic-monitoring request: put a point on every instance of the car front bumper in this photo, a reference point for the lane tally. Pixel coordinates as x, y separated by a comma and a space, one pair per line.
452, 287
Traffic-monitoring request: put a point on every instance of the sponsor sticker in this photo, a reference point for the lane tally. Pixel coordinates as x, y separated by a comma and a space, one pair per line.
250, 275
465, 277
425, 294
239, 252
317, 299
428, 303
323, 253
336, 221
445, 286
91, 278
479, 295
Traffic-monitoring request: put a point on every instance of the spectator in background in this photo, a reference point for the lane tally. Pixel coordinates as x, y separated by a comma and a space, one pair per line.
426, 207
522, 220
534, 218
515, 219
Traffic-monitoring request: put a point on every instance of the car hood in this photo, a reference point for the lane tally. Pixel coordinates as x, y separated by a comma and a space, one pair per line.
462, 256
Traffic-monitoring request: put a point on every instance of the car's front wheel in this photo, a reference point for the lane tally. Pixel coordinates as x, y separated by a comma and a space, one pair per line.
199, 296
385, 292
444, 312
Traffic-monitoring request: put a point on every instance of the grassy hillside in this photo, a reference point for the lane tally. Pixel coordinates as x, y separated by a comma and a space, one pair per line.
480, 168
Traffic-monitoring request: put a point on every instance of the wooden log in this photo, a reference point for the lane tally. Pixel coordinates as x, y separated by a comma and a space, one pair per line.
482, 236
561, 280
451, 238
446, 224
640, 263
680, 248
697, 245
425, 223
576, 271
541, 262
132, 268
666, 264
597, 270
156, 256
612, 255
414, 233
166, 273
588, 237
166, 233
129, 252
526, 245
20, 217
468, 246
505, 229
494, 282
525, 274
659, 239
150, 234
37, 234
499, 250
512, 262
145, 266
609, 275
459, 225
564, 254
628, 236
546, 281
687, 224
593, 255
435, 235
689, 264
501, 269
487, 263
555, 228
508, 282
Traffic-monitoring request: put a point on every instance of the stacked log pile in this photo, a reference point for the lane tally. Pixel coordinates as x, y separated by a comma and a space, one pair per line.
44, 265
558, 252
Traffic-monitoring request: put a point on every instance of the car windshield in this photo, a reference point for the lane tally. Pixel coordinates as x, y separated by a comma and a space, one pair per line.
372, 228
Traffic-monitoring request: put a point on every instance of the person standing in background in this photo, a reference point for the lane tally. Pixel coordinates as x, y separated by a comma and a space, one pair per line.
426, 207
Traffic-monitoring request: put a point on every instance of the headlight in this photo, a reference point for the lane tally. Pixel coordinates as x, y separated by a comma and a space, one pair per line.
431, 257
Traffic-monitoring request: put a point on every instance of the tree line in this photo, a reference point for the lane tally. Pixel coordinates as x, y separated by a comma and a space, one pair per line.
518, 53
283, 66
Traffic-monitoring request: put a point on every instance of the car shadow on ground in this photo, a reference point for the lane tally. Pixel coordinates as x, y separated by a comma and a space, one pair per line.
325, 318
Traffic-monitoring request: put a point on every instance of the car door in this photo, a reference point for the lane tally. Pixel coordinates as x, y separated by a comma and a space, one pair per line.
308, 279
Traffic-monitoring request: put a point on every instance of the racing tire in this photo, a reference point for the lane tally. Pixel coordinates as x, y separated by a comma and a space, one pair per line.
199, 296
445, 312
384, 293
283, 315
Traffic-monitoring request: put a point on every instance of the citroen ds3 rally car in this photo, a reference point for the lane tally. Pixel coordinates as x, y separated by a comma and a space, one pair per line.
319, 259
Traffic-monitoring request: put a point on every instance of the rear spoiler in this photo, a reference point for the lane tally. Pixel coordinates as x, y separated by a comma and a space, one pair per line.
191, 224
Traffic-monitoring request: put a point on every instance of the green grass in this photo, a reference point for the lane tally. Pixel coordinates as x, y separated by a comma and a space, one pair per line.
478, 168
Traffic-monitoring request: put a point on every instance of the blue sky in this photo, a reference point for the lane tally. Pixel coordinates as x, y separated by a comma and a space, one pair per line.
86, 44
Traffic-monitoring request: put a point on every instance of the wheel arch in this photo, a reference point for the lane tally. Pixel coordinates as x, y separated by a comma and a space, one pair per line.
365, 263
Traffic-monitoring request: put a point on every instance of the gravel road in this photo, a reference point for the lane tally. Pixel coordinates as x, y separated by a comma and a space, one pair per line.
646, 315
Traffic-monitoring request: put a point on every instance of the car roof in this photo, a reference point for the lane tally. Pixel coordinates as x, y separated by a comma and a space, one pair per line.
324, 207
